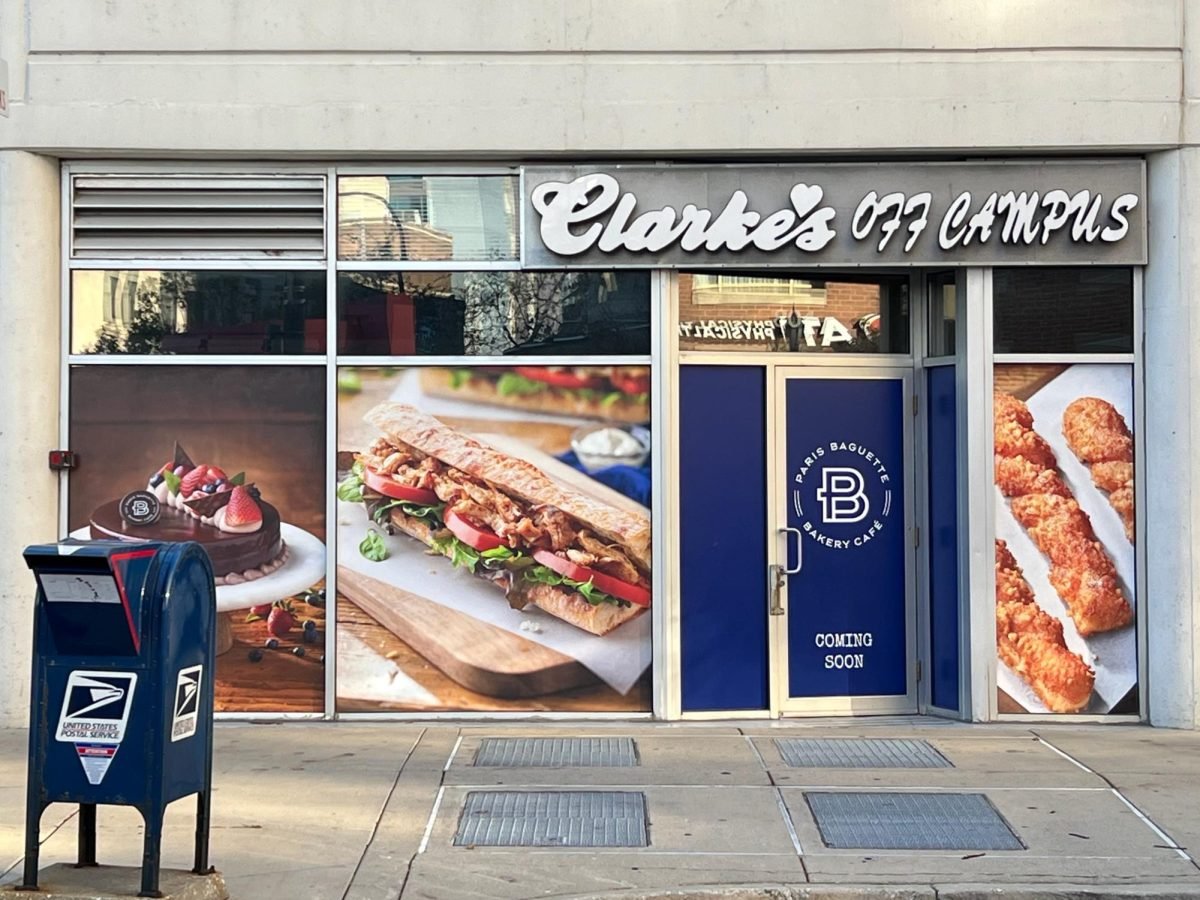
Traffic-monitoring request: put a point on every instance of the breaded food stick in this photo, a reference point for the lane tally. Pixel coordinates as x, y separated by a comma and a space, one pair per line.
1080, 569
1030, 642
1098, 435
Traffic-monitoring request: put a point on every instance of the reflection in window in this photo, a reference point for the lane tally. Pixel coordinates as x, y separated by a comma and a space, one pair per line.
168, 312
1038, 309
416, 217
493, 313
846, 314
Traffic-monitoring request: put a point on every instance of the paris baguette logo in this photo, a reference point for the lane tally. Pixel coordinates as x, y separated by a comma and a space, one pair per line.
842, 495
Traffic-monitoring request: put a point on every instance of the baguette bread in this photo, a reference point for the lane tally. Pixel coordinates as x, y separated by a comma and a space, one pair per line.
438, 382
565, 603
408, 425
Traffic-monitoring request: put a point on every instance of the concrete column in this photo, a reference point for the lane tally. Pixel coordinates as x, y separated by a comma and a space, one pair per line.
1170, 506
29, 393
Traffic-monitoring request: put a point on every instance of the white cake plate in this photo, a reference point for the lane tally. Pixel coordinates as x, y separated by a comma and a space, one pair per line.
305, 566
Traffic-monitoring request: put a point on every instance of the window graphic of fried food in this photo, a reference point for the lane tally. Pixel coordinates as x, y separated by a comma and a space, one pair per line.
1081, 571
1030, 642
1098, 435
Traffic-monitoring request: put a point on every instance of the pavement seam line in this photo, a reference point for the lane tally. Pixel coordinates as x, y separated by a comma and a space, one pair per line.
453, 753
41, 841
382, 809
761, 761
432, 818
1150, 823
787, 820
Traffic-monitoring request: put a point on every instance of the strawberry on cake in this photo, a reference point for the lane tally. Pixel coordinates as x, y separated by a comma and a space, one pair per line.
226, 516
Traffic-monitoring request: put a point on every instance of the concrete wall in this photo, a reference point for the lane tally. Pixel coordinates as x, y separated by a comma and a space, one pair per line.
540, 77
29, 384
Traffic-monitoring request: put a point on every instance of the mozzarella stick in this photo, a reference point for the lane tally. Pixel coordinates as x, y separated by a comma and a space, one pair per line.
1080, 569
1030, 642
1098, 435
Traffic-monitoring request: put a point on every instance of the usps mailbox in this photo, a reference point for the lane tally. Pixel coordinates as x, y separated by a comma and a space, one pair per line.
122, 689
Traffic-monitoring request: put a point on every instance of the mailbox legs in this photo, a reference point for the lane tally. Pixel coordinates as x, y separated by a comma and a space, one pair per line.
87, 835
34, 807
151, 850
202, 814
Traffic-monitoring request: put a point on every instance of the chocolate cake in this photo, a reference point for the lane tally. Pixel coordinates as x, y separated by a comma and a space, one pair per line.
237, 529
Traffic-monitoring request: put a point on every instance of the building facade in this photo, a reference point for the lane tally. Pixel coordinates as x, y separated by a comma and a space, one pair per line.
850, 349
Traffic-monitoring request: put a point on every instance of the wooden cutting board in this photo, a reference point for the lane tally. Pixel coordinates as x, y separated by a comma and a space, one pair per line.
479, 656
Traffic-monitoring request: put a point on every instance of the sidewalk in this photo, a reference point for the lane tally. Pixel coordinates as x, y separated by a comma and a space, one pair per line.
363, 811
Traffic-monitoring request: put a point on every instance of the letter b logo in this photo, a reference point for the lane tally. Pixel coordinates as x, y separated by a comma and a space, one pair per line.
842, 496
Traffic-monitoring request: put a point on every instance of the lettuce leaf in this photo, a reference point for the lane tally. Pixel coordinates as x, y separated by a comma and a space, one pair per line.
350, 489
373, 547
510, 384
459, 377
593, 595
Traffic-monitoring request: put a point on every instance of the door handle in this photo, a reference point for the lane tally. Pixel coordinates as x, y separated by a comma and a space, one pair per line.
799, 550
775, 582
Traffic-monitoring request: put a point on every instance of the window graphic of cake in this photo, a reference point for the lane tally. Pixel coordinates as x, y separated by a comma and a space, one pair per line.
226, 516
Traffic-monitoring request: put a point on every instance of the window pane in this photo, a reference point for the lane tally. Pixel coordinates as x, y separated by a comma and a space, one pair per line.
493, 313
1075, 310
417, 217
799, 314
943, 303
197, 312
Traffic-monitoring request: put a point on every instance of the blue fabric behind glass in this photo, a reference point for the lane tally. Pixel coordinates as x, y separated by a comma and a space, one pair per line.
723, 545
943, 540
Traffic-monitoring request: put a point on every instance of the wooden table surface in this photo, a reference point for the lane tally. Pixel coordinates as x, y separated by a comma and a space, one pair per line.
281, 681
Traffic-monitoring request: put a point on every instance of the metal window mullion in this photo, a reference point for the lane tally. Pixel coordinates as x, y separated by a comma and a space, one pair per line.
179, 264
484, 361
64, 339
350, 266
660, 531
255, 359
331, 445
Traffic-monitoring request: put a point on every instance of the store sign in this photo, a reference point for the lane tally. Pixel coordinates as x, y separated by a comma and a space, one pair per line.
1049, 213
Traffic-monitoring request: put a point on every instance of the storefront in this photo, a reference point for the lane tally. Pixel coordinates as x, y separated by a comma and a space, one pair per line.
676, 440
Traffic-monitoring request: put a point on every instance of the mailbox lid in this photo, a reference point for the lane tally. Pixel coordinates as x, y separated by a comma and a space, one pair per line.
91, 595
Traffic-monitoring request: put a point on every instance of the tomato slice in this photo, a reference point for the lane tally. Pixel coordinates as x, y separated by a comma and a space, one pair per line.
389, 487
559, 379
622, 590
471, 535
631, 384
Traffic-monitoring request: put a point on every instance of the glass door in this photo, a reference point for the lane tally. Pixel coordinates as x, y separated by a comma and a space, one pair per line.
841, 570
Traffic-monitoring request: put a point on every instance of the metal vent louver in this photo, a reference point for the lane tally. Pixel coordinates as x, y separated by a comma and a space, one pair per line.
198, 217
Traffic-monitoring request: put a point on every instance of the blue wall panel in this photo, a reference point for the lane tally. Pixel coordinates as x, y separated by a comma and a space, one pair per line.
943, 543
723, 544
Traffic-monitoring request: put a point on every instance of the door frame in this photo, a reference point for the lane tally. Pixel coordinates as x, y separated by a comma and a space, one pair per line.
781, 704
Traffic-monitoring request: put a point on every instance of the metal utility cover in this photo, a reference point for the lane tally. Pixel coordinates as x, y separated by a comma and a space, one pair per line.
556, 752
860, 753
553, 819
910, 821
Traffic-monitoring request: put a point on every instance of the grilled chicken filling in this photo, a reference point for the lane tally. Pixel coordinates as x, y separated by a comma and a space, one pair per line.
520, 526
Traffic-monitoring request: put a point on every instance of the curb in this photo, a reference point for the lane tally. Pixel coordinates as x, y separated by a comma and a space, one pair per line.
964, 891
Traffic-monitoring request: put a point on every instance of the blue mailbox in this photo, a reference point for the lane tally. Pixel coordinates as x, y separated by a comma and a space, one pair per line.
122, 689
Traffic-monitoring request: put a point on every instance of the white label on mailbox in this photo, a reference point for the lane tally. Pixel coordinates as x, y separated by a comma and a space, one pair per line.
187, 703
96, 707
96, 758
70, 587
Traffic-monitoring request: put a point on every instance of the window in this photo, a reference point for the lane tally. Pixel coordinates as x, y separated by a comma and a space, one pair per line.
844, 313
1062, 310
496, 313
197, 312
424, 217
943, 311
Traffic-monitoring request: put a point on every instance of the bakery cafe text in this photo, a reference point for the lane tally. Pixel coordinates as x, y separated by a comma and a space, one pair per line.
841, 640
593, 212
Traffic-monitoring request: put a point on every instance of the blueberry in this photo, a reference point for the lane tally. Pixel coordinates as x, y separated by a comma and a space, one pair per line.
255, 655
272, 643
297, 651
209, 488
218, 482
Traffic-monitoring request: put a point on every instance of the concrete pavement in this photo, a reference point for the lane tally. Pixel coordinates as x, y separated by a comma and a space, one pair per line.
354, 810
